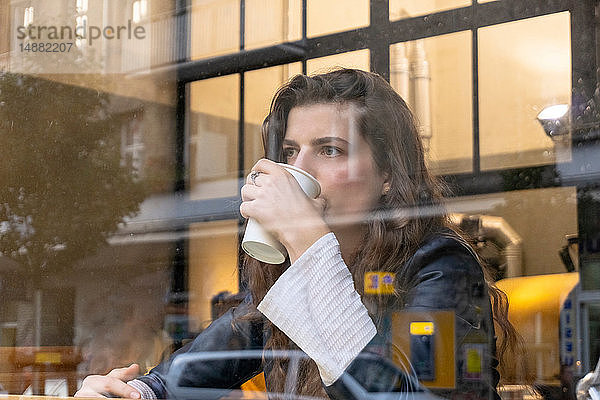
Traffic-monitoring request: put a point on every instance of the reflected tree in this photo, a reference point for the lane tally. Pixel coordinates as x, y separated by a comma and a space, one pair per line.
64, 188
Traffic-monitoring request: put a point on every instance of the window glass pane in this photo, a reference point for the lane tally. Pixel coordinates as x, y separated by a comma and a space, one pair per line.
259, 86
516, 82
214, 28
212, 268
400, 9
213, 137
270, 22
325, 17
434, 76
354, 59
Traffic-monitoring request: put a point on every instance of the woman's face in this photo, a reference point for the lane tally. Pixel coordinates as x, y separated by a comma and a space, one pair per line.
323, 140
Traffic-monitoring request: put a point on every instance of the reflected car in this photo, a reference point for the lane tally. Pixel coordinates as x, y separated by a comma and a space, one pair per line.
368, 377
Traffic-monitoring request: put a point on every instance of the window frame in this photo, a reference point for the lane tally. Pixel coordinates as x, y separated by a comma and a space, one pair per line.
377, 37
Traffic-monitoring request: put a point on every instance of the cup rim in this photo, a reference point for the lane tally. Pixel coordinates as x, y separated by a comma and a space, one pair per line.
284, 165
303, 172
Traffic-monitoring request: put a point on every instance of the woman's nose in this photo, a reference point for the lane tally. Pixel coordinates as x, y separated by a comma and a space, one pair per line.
303, 162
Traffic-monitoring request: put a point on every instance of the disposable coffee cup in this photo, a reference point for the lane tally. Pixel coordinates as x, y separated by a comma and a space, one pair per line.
259, 243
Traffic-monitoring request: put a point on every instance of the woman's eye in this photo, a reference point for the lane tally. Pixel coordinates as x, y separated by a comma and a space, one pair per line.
289, 152
331, 151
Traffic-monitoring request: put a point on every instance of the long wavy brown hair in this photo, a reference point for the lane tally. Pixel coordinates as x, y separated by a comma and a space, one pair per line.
411, 211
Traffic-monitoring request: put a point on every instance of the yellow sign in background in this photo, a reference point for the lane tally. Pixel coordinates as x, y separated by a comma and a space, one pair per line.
379, 282
443, 341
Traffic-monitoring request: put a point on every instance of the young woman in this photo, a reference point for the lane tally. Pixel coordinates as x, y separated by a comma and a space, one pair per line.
379, 211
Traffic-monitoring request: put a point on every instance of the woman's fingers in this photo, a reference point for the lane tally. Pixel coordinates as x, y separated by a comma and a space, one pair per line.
86, 392
267, 166
265, 174
252, 178
104, 385
249, 192
245, 209
126, 373
111, 384
275, 199
264, 167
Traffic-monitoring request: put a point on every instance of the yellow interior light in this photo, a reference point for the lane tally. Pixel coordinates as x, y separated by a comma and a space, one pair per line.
421, 328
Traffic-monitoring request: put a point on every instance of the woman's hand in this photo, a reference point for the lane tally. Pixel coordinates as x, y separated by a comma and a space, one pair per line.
111, 384
277, 202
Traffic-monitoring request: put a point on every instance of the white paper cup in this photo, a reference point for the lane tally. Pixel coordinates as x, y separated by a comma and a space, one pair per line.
260, 244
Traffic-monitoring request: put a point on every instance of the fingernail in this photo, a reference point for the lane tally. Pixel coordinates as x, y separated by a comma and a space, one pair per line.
134, 395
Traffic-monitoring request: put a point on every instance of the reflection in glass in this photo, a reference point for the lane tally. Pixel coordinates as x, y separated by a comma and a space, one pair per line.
68, 37
73, 170
259, 86
513, 235
28, 16
213, 137
333, 16
537, 304
89, 156
526, 211
65, 187
516, 82
212, 267
434, 76
270, 22
400, 9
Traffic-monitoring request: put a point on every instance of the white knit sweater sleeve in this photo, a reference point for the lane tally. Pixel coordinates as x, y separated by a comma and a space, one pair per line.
315, 304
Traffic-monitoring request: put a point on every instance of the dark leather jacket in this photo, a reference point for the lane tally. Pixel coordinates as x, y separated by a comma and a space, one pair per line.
442, 275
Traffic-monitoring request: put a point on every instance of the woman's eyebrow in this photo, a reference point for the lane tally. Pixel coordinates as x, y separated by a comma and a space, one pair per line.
317, 141
327, 139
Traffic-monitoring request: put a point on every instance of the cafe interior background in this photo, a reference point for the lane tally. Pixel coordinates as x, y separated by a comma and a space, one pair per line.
122, 158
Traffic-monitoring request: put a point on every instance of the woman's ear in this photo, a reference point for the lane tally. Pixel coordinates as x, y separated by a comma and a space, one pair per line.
387, 186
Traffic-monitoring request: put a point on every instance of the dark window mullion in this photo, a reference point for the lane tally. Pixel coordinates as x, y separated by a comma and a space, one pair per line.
379, 45
584, 64
181, 138
179, 278
475, 100
241, 117
476, 15
304, 33
241, 146
503, 180
181, 108
498, 12
423, 26
242, 24
241, 129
